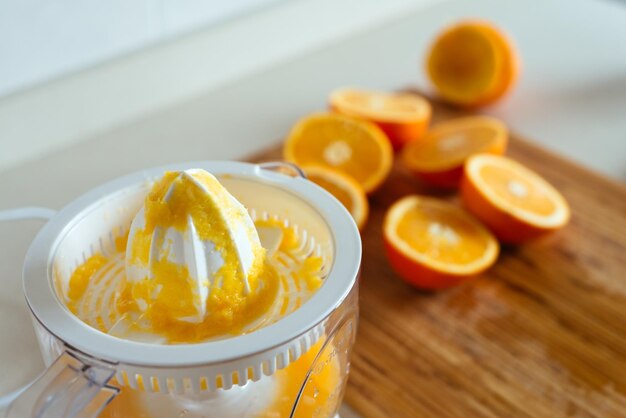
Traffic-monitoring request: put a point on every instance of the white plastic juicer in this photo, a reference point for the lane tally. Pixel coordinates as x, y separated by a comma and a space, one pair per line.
91, 373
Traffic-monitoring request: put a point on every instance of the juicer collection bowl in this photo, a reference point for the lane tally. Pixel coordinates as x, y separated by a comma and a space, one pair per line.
87, 369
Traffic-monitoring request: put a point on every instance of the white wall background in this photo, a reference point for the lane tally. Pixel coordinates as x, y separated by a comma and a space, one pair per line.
571, 95
69, 109
41, 39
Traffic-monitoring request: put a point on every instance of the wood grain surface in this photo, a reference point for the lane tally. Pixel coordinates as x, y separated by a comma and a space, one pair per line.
542, 334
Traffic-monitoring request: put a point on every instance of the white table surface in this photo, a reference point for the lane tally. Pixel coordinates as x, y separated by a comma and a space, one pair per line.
571, 98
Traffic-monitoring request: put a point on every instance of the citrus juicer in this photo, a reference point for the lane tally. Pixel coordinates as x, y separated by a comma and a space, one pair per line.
295, 367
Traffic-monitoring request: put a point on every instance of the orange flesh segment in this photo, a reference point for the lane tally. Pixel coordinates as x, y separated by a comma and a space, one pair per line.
463, 64
516, 203
356, 148
341, 194
381, 106
343, 188
510, 66
429, 240
520, 191
449, 144
442, 235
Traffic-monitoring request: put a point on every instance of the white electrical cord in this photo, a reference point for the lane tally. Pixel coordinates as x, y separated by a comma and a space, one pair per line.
18, 214
30, 212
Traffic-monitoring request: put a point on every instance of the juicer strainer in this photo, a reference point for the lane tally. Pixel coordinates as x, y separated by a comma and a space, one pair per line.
85, 362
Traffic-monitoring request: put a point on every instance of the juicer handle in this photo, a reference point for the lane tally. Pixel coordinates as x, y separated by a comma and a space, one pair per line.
30, 212
283, 167
69, 388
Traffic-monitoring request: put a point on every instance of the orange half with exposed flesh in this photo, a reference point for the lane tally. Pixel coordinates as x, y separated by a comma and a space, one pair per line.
404, 117
344, 188
439, 157
514, 201
355, 147
473, 63
433, 244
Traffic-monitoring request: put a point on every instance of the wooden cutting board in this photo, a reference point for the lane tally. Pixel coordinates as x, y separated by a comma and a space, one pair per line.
542, 334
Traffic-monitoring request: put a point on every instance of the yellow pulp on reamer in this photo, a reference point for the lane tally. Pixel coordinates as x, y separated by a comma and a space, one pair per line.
169, 293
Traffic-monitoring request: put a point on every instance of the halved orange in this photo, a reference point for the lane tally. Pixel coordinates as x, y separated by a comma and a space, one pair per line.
472, 63
514, 201
344, 188
404, 117
439, 157
353, 146
433, 244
